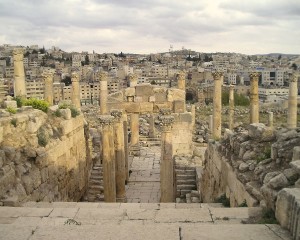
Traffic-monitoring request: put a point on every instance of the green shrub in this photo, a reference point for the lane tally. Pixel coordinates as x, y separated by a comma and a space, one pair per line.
74, 112
239, 99
224, 200
37, 104
20, 101
268, 217
42, 138
265, 155
57, 113
11, 110
64, 106
244, 204
14, 122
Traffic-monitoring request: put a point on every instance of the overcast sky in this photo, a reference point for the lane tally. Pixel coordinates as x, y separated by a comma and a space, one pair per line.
150, 26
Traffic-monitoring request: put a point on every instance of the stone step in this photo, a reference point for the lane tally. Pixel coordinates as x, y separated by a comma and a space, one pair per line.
182, 167
95, 182
186, 181
96, 187
185, 172
99, 168
182, 192
186, 187
185, 177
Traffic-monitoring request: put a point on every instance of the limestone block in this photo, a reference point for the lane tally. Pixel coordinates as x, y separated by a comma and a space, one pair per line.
261, 133
278, 182
139, 99
185, 117
296, 153
151, 99
157, 106
11, 104
129, 91
291, 174
296, 166
144, 91
175, 94
118, 96
161, 96
66, 113
132, 107
146, 107
178, 106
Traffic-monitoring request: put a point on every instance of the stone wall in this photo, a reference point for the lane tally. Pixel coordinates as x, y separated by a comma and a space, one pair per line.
43, 157
251, 165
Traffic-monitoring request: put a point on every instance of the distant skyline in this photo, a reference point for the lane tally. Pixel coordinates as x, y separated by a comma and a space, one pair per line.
249, 27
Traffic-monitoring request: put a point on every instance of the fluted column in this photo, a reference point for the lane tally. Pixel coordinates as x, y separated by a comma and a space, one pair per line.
151, 126
133, 80
166, 163
292, 108
19, 73
181, 80
108, 155
103, 92
119, 155
254, 102
135, 129
193, 112
125, 127
231, 106
48, 90
217, 105
75, 90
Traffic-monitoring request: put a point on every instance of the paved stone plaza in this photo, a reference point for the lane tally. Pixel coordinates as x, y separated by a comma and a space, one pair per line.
144, 180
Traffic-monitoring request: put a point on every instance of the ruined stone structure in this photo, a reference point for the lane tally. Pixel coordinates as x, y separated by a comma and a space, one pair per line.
217, 105
119, 155
167, 162
133, 80
231, 107
43, 157
254, 102
134, 126
48, 92
75, 90
292, 107
103, 92
108, 158
19, 74
181, 80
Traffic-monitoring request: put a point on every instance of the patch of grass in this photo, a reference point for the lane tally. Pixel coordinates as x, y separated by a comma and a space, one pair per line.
265, 155
74, 112
244, 204
224, 200
11, 110
268, 217
37, 104
57, 113
14, 122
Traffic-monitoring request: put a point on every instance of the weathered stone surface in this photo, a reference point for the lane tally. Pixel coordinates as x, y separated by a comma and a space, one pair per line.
243, 167
260, 132
278, 182
296, 166
291, 174
10, 104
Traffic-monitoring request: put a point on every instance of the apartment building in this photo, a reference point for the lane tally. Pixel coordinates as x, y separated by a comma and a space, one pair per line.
271, 76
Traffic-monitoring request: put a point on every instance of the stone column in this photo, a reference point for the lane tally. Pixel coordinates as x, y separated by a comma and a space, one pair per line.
181, 80
151, 126
48, 90
201, 97
125, 127
217, 105
292, 108
231, 106
270, 119
133, 80
119, 155
103, 92
210, 124
254, 103
108, 155
75, 90
166, 164
135, 129
19, 73
193, 112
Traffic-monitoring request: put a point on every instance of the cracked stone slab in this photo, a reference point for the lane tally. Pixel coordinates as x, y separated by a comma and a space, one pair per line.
100, 214
232, 232
11, 232
23, 211
169, 215
64, 212
234, 213
141, 214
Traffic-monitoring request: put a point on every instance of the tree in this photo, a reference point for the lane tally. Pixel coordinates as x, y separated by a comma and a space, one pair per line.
294, 66
279, 57
153, 82
34, 51
42, 50
67, 80
86, 60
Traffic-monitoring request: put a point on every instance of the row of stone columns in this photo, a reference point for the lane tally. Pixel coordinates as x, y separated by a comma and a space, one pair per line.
215, 119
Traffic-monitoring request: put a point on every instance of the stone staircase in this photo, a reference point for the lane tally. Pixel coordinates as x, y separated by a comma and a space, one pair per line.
186, 188
168, 221
95, 192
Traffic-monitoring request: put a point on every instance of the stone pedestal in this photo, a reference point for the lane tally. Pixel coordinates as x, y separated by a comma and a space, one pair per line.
166, 164
103, 92
125, 127
231, 107
19, 73
119, 155
292, 108
48, 90
108, 155
270, 119
75, 90
151, 126
254, 101
135, 129
217, 105
133, 80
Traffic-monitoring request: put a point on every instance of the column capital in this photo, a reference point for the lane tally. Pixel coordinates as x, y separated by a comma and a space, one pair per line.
294, 78
47, 77
231, 87
75, 77
165, 111
181, 75
217, 75
106, 120
254, 75
132, 77
117, 114
166, 122
18, 54
102, 76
